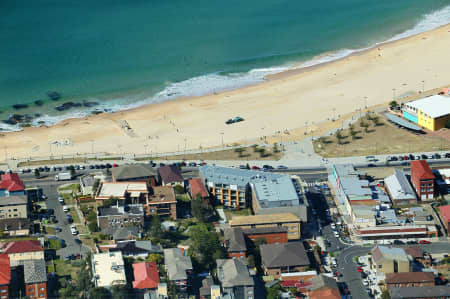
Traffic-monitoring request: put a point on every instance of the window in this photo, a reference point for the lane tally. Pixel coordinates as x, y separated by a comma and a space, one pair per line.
41, 289
2, 291
380, 266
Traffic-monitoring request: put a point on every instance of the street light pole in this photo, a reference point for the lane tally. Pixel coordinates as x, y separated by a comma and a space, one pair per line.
423, 86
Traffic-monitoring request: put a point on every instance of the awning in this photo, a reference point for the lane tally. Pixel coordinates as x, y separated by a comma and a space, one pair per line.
402, 122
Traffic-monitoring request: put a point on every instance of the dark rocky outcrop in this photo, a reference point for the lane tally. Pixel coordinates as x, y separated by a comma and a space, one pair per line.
39, 102
53, 95
20, 106
67, 106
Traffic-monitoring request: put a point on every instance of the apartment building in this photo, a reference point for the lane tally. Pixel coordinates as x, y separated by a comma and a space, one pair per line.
35, 278
162, 202
120, 216
422, 179
14, 206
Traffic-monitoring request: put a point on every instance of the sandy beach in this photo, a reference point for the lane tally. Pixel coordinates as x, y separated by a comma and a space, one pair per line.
287, 101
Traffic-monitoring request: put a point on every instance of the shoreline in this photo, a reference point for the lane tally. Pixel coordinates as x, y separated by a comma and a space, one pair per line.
267, 106
51, 118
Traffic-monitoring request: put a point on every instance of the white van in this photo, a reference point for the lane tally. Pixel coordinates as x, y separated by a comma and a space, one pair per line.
65, 209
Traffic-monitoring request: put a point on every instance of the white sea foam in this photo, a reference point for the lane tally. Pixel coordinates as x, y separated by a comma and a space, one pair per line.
211, 83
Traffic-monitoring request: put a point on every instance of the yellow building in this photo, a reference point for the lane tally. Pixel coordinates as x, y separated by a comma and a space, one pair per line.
432, 112
288, 220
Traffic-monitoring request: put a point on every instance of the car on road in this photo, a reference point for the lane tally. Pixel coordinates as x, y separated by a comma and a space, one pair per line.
424, 157
65, 208
359, 269
116, 165
58, 229
447, 155
255, 168
281, 167
424, 242
60, 199
192, 164
399, 242
267, 166
436, 156
412, 157
412, 242
242, 167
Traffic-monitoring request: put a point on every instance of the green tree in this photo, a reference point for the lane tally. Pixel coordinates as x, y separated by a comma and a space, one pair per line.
385, 294
199, 209
240, 150
262, 152
119, 292
155, 257
275, 148
339, 137
393, 104
353, 134
178, 189
251, 261
37, 173
247, 166
155, 229
72, 171
99, 293
93, 227
255, 147
206, 245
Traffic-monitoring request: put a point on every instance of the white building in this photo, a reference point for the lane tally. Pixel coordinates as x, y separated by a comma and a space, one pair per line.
108, 269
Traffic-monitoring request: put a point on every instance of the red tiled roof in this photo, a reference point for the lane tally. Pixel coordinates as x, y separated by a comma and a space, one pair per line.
327, 293
21, 246
197, 187
409, 277
146, 275
12, 182
421, 170
5, 271
445, 212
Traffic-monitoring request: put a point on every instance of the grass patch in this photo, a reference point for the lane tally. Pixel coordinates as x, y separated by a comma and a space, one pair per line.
74, 215
183, 197
50, 230
66, 268
376, 140
18, 239
53, 244
72, 187
243, 212
242, 154
82, 229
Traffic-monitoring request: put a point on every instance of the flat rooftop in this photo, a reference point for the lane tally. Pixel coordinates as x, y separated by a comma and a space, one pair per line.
263, 219
435, 106
119, 189
109, 269
276, 192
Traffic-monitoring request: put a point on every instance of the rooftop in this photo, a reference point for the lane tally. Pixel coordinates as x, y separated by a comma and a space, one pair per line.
14, 200
263, 219
323, 282
34, 271
146, 275
420, 292
265, 230
87, 180
234, 272
108, 269
170, 174
408, 277
197, 188
434, 106
12, 182
5, 270
135, 209
389, 253
235, 176
11, 224
399, 186
21, 246
133, 172
421, 170
177, 264
283, 255
275, 192
120, 189
235, 240
162, 194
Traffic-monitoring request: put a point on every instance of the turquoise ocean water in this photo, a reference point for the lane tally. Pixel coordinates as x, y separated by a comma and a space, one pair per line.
123, 54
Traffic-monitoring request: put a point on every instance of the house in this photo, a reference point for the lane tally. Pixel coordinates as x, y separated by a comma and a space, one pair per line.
399, 189
431, 112
146, 276
283, 258
120, 216
134, 173
11, 184
129, 232
390, 259
209, 290
422, 179
35, 278
270, 234
198, 189
134, 192
15, 226
86, 184
19, 251
5, 276
324, 287
134, 248
429, 292
170, 175
444, 215
234, 243
287, 220
108, 269
414, 251
235, 278
409, 279
162, 202
14, 206
178, 267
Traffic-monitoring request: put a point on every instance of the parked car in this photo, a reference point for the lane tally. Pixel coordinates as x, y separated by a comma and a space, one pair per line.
424, 157
192, 164
412, 157
412, 242
394, 158
281, 167
447, 155
398, 242
436, 156
256, 168
115, 165
359, 269
424, 242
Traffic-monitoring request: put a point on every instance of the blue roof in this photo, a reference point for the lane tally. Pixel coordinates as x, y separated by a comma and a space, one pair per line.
402, 122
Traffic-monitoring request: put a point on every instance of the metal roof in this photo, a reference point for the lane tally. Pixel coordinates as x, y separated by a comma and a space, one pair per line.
275, 192
398, 186
434, 106
402, 122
